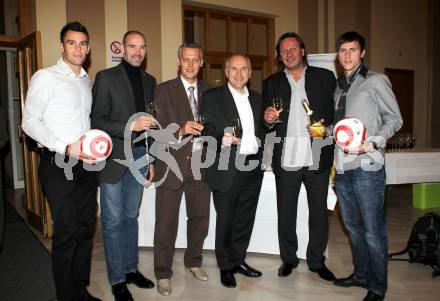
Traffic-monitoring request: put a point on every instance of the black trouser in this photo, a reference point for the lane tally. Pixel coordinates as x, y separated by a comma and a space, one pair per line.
235, 218
288, 185
73, 208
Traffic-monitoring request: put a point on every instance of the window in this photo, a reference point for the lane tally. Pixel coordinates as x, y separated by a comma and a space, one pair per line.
222, 33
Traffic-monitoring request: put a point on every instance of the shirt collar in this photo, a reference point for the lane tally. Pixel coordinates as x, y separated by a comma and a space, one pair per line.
66, 70
235, 93
186, 84
302, 73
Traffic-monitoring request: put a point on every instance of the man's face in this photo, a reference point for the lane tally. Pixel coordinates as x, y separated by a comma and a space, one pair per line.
350, 56
189, 63
291, 53
239, 72
134, 50
75, 48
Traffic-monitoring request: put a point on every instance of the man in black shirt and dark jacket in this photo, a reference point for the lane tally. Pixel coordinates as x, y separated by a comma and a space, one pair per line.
118, 94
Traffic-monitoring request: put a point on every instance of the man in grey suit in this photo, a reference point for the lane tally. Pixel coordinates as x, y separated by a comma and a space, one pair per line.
360, 178
118, 94
177, 101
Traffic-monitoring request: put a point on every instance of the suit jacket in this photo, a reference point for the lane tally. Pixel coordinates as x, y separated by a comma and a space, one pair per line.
113, 105
219, 110
173, 107
320, 85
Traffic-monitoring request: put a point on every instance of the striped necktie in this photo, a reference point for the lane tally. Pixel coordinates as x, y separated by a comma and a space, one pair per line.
192, 100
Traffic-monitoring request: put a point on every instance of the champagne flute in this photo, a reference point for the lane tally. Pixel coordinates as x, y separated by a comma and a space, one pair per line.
200, 119
236, 127
278, 105
151, 110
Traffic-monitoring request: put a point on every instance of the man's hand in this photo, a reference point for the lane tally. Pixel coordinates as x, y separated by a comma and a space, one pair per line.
270, 115
191, 128
229, 139
75, 150
366, 147
150, 176
317, 130
142, 123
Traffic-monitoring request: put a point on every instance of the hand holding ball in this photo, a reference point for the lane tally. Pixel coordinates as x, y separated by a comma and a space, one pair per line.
98, 144
349, 133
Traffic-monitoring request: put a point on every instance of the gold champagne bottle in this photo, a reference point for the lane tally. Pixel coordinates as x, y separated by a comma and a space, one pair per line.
312, 117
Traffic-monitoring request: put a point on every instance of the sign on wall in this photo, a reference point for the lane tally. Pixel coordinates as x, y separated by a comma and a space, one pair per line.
115, 51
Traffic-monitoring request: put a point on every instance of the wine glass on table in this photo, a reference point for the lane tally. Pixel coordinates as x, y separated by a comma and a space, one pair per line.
278, 105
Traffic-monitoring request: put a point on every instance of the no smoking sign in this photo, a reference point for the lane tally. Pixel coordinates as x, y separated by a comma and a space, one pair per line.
115, 51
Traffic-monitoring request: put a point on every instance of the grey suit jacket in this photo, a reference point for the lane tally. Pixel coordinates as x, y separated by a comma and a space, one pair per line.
371, 100
174, 107
113, 105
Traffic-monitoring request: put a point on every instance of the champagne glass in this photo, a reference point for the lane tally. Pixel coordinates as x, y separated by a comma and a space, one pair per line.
200, 119
236, 127
278, 105
151, 110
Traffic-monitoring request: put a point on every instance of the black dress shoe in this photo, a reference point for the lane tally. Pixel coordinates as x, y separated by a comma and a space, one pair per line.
324, 273
91, 298
121, 292
371, 296
139, 280
350, 281
227, 278
286, 269
247, 270
84, 295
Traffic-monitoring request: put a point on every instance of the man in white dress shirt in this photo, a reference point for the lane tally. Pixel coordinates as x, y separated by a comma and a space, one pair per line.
235, 187
56, 115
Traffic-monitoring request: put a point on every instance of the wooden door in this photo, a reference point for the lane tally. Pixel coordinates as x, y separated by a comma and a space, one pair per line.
29, 60
403, 87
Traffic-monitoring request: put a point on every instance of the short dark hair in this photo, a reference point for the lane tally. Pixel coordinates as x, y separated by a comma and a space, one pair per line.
73, 26
296, 36
350, 36
190, 45
125, 37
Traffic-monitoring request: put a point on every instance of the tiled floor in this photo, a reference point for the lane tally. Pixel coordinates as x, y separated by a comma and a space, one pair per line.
407, 282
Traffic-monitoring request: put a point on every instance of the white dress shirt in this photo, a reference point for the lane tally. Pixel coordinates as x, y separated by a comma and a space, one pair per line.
248, 142
297, 146
57, 107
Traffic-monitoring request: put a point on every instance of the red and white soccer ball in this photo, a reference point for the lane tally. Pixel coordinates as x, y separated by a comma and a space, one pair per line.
349, 133
97, 143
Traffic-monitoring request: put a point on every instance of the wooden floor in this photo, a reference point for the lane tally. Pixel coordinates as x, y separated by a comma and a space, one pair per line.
407, 282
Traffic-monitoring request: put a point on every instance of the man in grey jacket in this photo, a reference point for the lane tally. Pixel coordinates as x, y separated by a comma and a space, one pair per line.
360, 178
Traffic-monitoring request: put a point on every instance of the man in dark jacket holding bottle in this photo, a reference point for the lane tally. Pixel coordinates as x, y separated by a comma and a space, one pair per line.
302, 156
